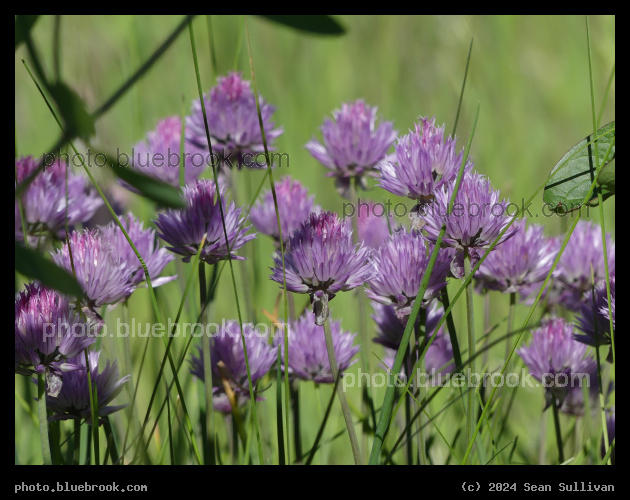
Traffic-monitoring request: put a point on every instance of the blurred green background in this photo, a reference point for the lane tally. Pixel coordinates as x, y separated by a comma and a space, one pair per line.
529, 73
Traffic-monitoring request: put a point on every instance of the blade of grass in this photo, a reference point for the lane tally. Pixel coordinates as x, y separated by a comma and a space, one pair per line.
43, 419
137, 253
605, 250
287, 396
227, 242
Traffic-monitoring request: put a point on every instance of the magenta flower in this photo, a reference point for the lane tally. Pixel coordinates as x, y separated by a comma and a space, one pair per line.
583, 253
477, 219
424, 162
183, 229
561, 363
145, 241
158, 156
308, 355
44, 201
105, 276
321, 260
519, 263
374, 223
398, 269
233, 123
73, 401
48, 334
228, 361
294, 206
352, 144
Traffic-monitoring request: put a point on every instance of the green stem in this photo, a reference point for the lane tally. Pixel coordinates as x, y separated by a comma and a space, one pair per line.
470, 420
279, 424
77, 441
366, 365
295, 408
93, 408
209, 457
510, 323
43, 419
340, 392
556, 421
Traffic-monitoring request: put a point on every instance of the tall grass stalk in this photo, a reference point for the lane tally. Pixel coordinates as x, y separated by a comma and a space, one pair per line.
334, 367
43, 419
600, 200
287, 395
227, 242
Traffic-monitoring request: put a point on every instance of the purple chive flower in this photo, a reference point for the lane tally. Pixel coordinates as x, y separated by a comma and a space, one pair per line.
321, 260
522, 261
390, 329
373, 224
353, 144
159, 155
73, 401
183, 229
233, 123
294, 205
398, 268
477, 219
594, 318
228, 361
106, 278
308, 355
44, 201
583, 252
48, 334
154, 257
561, 363
424, 162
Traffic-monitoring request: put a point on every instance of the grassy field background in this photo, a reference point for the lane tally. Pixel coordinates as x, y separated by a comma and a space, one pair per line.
530, 75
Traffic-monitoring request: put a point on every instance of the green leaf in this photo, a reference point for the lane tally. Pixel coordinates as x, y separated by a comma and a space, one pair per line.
23, 25
571, 178
77, 120
163, 194
319, 25
606, 177
33, 265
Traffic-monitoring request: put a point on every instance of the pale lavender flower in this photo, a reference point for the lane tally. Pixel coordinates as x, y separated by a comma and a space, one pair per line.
228, 360
477, 218
399, 266
308, 355
353, 144
424, 161
48, 333
44, 201
561, 363
321, 260
183, 229
594, 318
233, 123
106, 278
583, 253
374, 223
294, 206
73, 401
520, 262
154, 257
158, 156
